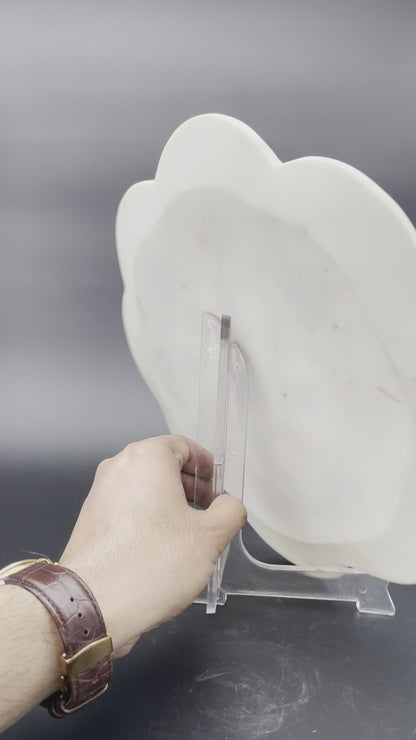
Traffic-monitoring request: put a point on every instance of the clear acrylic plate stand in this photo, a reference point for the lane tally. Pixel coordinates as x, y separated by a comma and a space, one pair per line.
221, 429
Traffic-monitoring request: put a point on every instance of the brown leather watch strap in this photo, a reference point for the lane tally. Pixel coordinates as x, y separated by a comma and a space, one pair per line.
86, 663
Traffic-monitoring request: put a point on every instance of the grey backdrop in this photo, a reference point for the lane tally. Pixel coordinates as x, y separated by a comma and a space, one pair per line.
89, 93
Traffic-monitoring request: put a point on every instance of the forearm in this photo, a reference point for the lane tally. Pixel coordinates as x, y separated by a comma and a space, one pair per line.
142, 551
29, 649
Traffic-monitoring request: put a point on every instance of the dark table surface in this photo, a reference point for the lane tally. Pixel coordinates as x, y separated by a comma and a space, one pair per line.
258, 668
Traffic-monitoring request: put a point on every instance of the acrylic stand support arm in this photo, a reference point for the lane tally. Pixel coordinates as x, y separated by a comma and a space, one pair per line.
221, 429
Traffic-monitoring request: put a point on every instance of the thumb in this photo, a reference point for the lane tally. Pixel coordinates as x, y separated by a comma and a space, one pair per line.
224, 518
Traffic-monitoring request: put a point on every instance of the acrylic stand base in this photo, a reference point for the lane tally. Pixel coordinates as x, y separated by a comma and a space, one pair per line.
243, 575
222, 424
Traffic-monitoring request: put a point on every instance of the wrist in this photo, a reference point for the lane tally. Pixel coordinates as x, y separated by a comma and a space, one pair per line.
85, 657
29, 646
36, 625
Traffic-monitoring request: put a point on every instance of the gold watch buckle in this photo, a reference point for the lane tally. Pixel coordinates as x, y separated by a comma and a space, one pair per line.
84, 659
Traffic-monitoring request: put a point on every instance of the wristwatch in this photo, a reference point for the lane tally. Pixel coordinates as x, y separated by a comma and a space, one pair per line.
85, 664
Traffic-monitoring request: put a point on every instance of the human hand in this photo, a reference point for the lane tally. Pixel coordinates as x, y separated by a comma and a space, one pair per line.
144, 553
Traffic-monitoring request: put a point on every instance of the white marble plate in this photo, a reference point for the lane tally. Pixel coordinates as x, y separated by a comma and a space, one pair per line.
316, 265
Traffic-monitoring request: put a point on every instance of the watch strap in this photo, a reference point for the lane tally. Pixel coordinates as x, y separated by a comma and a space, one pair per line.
85, 663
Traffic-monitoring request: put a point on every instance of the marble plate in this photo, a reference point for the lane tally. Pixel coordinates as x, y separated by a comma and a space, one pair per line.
316, 265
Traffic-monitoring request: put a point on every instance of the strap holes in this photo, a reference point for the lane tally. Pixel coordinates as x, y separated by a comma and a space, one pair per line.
72, 598
85, 632
79, 614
